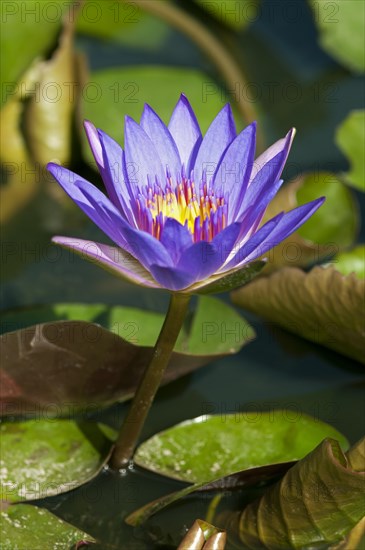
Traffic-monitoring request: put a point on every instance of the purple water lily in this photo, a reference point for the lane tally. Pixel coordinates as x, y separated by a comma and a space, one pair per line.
184, 210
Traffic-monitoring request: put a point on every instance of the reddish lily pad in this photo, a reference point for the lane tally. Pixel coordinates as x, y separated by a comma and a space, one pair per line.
40, 458
63, 367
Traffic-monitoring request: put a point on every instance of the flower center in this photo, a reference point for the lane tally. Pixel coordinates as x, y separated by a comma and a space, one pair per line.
201, 211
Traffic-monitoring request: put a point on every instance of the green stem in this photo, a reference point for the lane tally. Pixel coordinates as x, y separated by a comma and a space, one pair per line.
150, 382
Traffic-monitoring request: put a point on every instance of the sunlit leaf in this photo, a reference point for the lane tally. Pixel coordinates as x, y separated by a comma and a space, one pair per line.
28, 30
341, 30
318, 501
352, 261
44, 457
237, 15
263, 445
55, 364
323, 306
333, 226
114, 93
38, 528
209, 447
350, 138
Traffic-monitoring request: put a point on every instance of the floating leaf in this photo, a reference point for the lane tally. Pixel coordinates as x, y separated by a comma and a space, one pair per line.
334, 225
39, 528
203, 536
350, 138
322, 306
113, 93
342, 32
210, 447
236, 15
46, 457
265, 449
318, 501
76, 365
352, 261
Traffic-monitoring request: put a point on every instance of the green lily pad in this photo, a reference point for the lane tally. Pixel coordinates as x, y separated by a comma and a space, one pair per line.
45, 457
350, 138
236, 15
317, 502
341, 28
78, 366
352, 261
209, 447
120, 92
39, 528
328, 310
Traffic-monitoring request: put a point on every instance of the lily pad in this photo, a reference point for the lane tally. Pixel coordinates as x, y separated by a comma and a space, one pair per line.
78, 366
208, 447
333, 227
352, 261
341, 28
39, 528
263, 454
323, 306
45, 457
317, 502
113, 93
350, 138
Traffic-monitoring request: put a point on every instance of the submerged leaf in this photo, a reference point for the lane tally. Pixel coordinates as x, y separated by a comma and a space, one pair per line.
39, 528
318, 501
47, 457
208, 447
65, 367
322, 306
350, 137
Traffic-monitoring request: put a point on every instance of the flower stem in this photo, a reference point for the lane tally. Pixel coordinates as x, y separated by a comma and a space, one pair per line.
150, 382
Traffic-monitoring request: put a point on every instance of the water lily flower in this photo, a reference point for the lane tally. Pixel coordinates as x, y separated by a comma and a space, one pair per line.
184, 210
